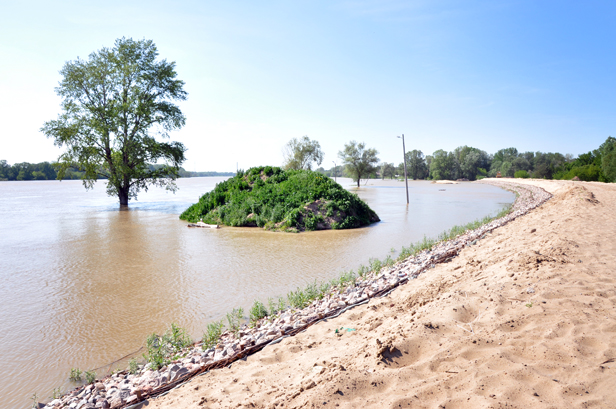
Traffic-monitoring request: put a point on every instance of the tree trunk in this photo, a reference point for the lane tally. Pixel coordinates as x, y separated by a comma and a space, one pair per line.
123, 195
358, 181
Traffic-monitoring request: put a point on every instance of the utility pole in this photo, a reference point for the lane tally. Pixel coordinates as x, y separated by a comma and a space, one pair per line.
335, 170
406, 180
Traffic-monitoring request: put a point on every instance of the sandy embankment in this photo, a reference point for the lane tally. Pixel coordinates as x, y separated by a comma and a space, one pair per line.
525, 318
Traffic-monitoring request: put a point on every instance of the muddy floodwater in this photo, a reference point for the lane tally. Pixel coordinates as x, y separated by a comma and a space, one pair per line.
83, 284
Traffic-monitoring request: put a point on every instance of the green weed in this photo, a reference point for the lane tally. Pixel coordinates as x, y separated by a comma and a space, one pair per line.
75, 375
234, 318
212, 334
133, 366
90, 376
257, 312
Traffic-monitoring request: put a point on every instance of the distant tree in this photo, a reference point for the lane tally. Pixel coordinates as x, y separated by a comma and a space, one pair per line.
301, 153
416, 165
387, 169
444, 165
608, 159
113, 103
359, 162
470, 160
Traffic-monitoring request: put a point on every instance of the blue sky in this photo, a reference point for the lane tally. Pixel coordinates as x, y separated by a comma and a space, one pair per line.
535, 75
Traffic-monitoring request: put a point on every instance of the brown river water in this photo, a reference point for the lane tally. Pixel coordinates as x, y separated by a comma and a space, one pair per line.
83, 284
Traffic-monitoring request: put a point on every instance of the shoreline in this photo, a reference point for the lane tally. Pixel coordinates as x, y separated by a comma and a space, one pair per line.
124, 390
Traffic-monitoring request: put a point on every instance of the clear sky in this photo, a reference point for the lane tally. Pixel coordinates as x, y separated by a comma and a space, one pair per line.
535, 75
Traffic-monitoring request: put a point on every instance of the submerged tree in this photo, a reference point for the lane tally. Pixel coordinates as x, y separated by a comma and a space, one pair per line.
113, 105
359, 162
301, 153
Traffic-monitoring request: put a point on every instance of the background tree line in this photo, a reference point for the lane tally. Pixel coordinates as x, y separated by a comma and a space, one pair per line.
48, 171
471, 163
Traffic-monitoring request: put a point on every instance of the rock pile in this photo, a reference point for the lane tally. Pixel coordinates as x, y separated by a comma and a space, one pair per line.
123, 389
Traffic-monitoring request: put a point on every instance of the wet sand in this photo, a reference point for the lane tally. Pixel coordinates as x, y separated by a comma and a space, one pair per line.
525, 318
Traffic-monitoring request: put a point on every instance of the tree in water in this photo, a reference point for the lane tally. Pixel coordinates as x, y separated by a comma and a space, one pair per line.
114, 104
359, 162
301, 153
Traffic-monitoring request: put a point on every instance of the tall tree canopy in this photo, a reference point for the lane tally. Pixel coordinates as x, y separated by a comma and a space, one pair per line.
416, 164
301, 153
608, 158
114, 104
359, 162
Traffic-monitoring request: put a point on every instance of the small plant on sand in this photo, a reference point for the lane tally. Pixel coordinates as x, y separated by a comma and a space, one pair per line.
234, 318
362, 270
90, 376
212, 334
529, 305
75, 375
133, 366
257, 312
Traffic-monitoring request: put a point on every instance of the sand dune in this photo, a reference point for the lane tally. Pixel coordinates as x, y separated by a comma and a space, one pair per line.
526, 318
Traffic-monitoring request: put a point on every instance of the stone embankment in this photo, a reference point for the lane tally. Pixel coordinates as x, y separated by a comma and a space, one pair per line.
125, 390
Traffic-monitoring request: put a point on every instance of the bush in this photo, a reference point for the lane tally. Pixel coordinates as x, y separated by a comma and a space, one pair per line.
289, 200
521, 174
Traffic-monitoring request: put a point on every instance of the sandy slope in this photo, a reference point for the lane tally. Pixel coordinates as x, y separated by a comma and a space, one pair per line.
525, 318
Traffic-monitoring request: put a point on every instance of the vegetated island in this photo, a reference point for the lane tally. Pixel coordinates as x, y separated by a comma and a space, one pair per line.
281, 200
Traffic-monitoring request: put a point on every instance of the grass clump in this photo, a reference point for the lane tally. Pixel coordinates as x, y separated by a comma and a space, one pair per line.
212, 334
162, 349
90, 376
133, 366
234, 318
257, 312
75, 375
277, 199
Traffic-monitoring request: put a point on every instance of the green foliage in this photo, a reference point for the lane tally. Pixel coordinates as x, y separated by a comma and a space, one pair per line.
234, 319
288, 200
258, 311
35, 402
56, 393
75, 375
90, 376
276, 306
162, 349
301, 153
359, 162
111, 104
133, 366
608, 159
521, 174
212, 334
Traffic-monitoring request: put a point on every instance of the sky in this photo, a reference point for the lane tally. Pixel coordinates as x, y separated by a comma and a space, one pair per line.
535, 75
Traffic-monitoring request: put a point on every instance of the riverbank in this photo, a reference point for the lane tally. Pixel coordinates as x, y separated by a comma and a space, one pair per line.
525, 318
370, 287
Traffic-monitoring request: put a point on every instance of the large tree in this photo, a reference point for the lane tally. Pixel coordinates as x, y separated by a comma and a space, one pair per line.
114, 105
416, 164
301, 153
608, 159
359, 162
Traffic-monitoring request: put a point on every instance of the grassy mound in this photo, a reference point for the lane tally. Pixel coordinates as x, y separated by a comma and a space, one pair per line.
276, 199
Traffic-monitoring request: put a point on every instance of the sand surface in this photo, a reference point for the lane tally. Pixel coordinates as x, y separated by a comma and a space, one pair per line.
526, 318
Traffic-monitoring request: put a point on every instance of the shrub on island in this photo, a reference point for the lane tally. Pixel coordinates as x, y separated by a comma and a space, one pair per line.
282, 200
